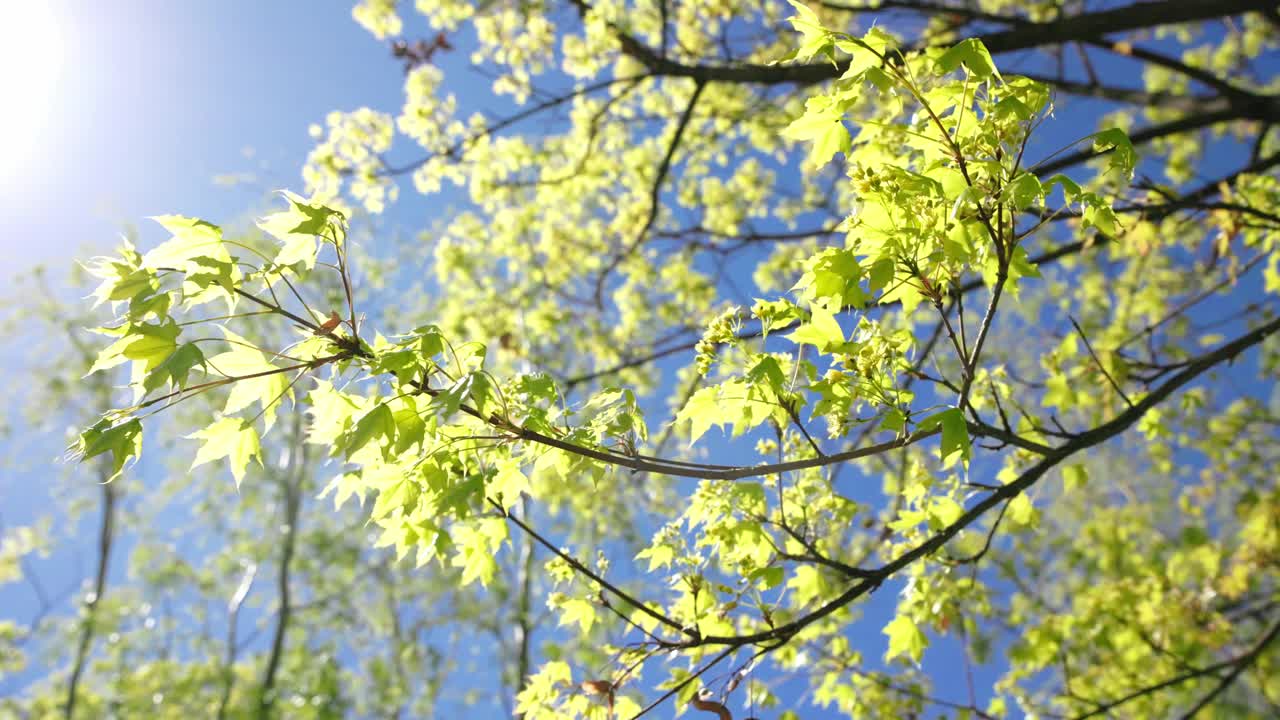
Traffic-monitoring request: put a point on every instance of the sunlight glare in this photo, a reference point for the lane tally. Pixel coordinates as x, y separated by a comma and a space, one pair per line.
30, 65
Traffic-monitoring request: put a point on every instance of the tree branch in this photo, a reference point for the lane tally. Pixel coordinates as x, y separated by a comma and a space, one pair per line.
655, 192
1024, 36
1081, 441
293, 474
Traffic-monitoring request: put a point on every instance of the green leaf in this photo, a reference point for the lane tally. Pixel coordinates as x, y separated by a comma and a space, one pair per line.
1124, 158
449, 401
1193, 536
823, 125
410, 427
1032, 97
701, 412
1023, 191
769, 577
343, 487
210, 279
866, 53
973, 55
1060, 392
881, 273
395, 492
175, 368
152, 344
123, 441
147, 344
484, 395
881, 79
832, 277
955, 433
822, 331
111, 355
509, 483
192, 238
894, 419
316, 219
1074, 476
378, 423
1021, 512
1020, 265
298, 249
659, 555
773, 313
1012, 106
768, 370
144, 305
578, 611
1099, 215
298, 229
943, 511
478, 544
1070, 190
905, 639
303, 217
259, 380
816, 39
133, 284
460, 496
231, 438
430, 341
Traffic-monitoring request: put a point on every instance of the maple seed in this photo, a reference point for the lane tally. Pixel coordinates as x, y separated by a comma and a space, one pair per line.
597, 687
329, 325
702, 702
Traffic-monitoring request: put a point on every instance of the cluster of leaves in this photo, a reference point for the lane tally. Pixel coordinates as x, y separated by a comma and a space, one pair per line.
1000, 524
270, 604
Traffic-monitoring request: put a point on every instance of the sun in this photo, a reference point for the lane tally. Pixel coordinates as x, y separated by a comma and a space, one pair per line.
30, 69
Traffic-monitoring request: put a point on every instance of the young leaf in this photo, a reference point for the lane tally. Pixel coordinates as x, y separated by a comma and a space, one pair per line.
1123, 156
973, 55
1021, 512
231, 438
191, 238
123, 441
259, 381
822, 331
823, 125
894, 419
905, 639
448, 402
1023, 191
297, 229
1074, 476
701, 412
153, 342
378, 423
175, 368
817, 39
509, 482
955, 433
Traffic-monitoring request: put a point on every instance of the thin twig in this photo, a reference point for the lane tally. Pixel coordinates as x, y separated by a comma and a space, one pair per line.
1098, 362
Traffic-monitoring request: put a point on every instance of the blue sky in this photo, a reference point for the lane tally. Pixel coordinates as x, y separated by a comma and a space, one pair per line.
155, 98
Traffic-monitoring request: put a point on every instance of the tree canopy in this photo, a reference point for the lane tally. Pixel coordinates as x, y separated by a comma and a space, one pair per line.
902, 359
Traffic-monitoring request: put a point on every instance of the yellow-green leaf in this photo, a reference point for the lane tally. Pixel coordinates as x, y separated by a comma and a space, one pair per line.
905, 639
231, 438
